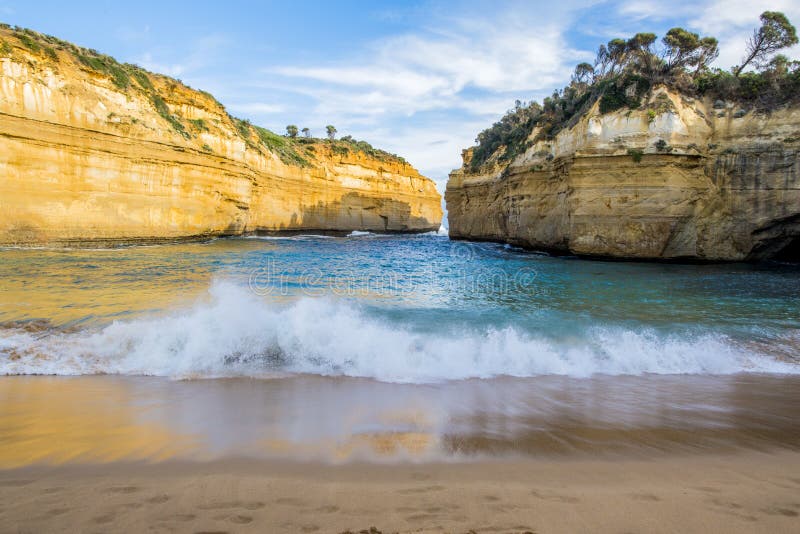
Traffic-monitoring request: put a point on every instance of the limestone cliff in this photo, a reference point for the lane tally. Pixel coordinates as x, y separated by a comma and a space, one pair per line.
679, 178
92, 151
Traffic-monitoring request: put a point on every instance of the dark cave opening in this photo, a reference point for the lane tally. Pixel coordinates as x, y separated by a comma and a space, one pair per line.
790, 252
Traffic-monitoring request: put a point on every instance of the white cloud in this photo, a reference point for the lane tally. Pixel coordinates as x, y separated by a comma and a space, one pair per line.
147, 61
203, 52
655, 10
426, 94
410, 73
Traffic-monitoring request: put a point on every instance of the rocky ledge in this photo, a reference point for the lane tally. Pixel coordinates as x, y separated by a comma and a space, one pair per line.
678, 178
97, 152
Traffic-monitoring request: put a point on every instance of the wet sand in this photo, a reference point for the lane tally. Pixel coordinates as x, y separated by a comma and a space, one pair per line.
316, 454
744, 492
91, 419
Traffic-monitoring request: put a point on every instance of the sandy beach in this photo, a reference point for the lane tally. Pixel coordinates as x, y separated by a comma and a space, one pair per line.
744, 492
331, 455
408, 267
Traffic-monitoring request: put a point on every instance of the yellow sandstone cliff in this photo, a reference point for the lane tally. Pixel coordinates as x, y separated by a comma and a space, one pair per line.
679, 178
94, 152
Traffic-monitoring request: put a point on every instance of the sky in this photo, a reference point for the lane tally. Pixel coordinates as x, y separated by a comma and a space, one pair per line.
418, 78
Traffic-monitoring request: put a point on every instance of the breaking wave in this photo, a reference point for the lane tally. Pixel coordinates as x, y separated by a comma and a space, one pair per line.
236, 333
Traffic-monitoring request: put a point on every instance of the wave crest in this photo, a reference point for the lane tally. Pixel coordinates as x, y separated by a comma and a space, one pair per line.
236, 333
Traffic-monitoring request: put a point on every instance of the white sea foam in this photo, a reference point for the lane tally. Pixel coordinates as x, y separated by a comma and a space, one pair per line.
441, 232
235, 333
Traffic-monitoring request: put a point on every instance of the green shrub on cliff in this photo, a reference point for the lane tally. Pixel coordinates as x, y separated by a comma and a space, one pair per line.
778, 83
141, 77
28, 42
128, 78
284, 147
349, 143
636, 154
163, 110
624, 71
109, 66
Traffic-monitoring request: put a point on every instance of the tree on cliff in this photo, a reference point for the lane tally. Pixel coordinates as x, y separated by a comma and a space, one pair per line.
291, 131
584, 73
626, 70
306, 133
331, 131
775, 33
686, 49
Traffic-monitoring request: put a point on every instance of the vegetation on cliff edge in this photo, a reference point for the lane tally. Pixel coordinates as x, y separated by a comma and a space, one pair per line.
624, 71
128, 77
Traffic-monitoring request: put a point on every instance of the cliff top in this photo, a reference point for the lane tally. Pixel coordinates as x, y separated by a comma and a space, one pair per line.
188, 112
626, 71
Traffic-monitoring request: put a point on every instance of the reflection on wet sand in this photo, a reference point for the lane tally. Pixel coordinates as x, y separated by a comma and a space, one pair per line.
105, 418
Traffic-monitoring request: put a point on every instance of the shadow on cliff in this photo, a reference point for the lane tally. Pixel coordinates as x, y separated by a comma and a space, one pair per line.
355, 211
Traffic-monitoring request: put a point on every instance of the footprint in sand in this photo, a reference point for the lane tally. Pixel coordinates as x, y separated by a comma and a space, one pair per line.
708, 489
555, 497
236, 519
327, 509
104, 519
247, 505
289, 501
14, 483
184, 518
56, 512
785, 512
726, 504
645, 497
417, 518
123, 489
426, 489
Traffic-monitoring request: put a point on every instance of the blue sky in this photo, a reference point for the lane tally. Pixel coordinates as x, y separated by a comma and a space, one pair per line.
417, 78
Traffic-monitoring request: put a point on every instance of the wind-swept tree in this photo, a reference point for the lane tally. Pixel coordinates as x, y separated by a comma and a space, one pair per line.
584, 73
291, 131
306, 133
626, 70
640, 50
775, 33
617, 54
686, 49
601, 61
709, 51
331, 131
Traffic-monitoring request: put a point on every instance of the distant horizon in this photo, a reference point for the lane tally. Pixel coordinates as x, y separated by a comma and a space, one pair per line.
419, 79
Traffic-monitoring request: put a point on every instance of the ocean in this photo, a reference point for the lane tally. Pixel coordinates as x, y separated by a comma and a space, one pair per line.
458, 348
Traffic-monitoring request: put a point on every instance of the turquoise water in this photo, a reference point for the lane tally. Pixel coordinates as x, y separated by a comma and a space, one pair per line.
395, 308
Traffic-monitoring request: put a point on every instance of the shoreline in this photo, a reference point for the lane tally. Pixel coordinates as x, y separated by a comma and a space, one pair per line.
741, 492
139, 242
59, 419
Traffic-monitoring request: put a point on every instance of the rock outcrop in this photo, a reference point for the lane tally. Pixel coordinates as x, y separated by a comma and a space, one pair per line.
95, 152
677, 179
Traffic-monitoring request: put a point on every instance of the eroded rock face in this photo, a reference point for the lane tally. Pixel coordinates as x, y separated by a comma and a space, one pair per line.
85, 161
724, 186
